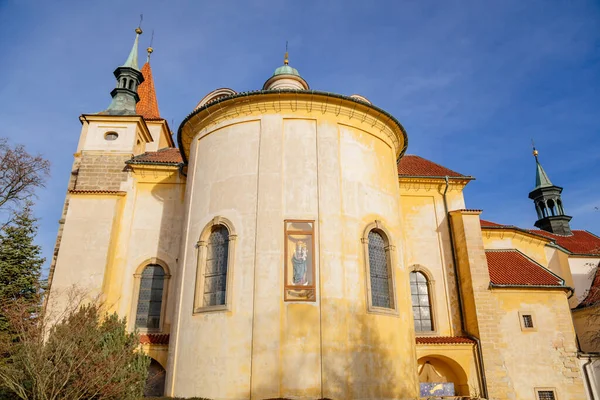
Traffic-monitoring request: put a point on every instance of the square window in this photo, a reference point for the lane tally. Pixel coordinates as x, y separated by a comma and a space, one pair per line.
545, 394
527, 321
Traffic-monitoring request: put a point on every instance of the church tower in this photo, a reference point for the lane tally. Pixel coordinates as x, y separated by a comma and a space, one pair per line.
548, 203
99, 181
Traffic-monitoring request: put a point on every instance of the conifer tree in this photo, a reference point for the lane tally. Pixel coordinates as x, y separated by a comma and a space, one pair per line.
20, 263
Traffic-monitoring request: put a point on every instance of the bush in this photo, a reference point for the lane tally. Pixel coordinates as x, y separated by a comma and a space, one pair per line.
87, 355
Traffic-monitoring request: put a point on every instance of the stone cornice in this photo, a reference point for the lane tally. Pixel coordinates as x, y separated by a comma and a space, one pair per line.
347, 110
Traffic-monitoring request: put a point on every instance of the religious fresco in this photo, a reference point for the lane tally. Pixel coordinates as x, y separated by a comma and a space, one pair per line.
299, 261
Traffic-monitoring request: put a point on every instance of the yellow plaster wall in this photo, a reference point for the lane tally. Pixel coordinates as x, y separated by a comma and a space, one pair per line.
545, 357
150, 231
425, 250
84, 253
427, 247
507, 239
258, 171
516, 362
222, 181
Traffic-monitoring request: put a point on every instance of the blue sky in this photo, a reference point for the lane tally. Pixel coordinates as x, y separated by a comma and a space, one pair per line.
471, 81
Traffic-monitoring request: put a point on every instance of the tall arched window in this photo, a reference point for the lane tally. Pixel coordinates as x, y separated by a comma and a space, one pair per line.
379, 271
215, 272
216, 256
421, 301
150, 297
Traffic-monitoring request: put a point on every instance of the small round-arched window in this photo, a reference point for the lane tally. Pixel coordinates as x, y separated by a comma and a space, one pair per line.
111, 136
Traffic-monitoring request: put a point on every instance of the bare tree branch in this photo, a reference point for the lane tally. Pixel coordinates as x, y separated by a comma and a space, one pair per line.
20, 174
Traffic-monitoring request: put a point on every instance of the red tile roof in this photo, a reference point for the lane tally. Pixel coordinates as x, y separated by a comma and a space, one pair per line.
411, 165
168, 155
486, 224
581, 242
147, 107
444, 340
154, 338
593, 295
511, 267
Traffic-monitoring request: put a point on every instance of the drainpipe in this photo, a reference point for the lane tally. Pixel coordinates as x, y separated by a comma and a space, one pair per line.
588, 382
459, 295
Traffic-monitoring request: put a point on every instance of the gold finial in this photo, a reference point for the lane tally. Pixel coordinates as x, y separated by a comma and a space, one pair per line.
286, 61
535, 152
150, 50
138, 30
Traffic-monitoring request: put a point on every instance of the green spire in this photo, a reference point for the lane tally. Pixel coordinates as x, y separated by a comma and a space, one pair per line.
132, 60
541, 179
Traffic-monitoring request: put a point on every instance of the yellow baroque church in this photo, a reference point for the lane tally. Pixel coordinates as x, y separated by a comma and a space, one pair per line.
287, 247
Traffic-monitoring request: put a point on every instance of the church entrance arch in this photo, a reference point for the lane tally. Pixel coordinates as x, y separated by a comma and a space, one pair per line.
155, 383
441, 375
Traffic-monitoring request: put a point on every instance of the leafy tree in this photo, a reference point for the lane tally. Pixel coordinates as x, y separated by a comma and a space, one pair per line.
20, 264
86, 355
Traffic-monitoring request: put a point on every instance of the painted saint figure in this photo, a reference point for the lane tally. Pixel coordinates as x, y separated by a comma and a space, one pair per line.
299, 263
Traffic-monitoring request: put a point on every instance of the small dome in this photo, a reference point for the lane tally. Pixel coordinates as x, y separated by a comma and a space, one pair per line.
286, 70
286, 78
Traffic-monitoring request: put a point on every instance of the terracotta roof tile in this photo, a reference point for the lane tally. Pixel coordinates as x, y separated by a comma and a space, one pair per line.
154, 338
485, 223
444, 340
168, 155
593, 295
147, 107
511, 267
581, 242
411, 165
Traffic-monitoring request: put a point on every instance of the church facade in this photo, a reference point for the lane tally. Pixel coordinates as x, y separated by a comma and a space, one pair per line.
283, 244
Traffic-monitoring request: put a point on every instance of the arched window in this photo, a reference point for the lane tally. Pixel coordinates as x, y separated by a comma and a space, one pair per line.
150, 298
216, 249
542, 207
130, 86
379, 271
421, 301
552, 207
215, 272
560, 207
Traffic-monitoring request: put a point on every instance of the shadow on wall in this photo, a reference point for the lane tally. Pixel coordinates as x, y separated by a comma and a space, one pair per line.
357, 360
169, 193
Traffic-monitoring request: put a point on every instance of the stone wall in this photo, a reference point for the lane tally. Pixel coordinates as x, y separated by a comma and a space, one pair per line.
101, 171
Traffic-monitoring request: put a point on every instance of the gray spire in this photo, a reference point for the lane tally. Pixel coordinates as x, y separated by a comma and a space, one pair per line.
129, 77
541, 178
548, 203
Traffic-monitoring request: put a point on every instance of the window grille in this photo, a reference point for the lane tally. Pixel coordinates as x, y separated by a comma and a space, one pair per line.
546, 395
150, 297
527, 321
379, 271
215, 273
419, 293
